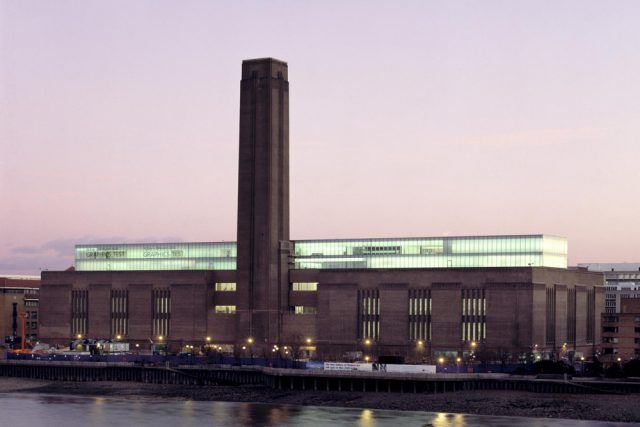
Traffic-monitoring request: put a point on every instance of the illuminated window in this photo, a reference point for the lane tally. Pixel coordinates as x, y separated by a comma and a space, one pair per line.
119, 312
225, 309
303, 309
305, 287
161, 312
79, 312
474, 310
225, 287
369, 314
419, 314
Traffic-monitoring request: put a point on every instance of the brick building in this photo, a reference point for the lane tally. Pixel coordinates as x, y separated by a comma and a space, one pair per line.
621, 332
417, 298
19, 295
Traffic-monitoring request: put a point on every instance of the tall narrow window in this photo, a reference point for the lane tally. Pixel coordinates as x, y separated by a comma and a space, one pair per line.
474, 311
591, 315
369, 314
119, 312
571, 315
79, 312
161, 312
419, 314
551, 316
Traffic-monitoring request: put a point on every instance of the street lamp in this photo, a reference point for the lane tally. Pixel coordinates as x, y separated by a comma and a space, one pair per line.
366, 358
79, 336
250, 340
367, 342
308, 340
118, 337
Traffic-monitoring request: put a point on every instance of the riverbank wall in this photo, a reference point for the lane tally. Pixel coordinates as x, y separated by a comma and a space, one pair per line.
298, 379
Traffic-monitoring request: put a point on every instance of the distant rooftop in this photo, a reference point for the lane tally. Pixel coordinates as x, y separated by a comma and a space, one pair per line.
19, 277
616, 266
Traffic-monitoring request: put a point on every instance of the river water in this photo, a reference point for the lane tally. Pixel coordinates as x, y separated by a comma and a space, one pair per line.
27, 409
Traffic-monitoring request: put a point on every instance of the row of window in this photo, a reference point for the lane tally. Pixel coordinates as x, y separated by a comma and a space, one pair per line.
19, 291
298, 309
614, 329
614, 319
296, 286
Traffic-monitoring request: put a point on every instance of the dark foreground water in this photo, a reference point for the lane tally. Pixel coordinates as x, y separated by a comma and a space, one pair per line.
27, 409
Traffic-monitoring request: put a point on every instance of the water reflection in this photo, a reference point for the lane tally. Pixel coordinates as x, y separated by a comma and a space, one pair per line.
448, 420
366, 418
78, 411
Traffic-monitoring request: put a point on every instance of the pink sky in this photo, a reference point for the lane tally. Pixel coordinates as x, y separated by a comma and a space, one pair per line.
119, 121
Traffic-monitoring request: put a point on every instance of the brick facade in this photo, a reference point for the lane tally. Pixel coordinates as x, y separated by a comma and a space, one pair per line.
515, 317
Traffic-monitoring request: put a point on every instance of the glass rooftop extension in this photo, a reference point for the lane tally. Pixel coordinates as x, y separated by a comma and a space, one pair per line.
433, 252
156, 256
426, 252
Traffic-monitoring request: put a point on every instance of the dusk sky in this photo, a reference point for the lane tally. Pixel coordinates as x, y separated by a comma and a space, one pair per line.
119, 121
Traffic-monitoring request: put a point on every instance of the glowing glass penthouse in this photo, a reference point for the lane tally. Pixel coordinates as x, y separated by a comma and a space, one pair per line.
419, 298
427, 252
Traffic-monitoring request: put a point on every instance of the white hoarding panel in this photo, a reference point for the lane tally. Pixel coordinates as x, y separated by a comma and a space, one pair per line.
341, 366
